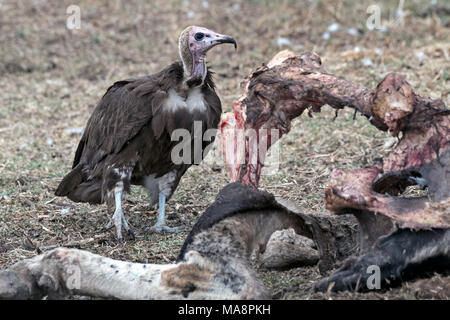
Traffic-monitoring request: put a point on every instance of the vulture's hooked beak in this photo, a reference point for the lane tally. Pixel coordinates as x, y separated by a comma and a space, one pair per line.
220, 38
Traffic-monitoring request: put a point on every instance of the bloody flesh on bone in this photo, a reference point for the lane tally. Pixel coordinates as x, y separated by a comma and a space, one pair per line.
395, 231
288, 85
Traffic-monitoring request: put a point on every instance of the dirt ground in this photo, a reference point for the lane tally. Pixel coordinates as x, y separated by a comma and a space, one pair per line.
51, 77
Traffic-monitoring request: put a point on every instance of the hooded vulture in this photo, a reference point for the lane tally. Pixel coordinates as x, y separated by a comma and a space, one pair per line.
128, 138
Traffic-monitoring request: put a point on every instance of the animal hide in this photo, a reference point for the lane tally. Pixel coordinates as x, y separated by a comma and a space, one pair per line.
214, 262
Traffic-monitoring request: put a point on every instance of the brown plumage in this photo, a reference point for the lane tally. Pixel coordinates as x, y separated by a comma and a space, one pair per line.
127, 139
129, 120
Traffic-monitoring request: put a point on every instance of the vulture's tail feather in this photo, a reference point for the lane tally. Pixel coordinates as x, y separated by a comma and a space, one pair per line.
70, 181
73, 187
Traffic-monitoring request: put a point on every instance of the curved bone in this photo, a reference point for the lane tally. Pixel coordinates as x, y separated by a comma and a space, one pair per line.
278, 92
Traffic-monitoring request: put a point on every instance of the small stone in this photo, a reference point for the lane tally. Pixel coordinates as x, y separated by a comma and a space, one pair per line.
421, 56
286, 248
333, 27
282, 41
352, 31
66, 211
367, 62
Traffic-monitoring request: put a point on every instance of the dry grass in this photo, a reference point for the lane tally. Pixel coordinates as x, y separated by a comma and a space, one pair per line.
51, 78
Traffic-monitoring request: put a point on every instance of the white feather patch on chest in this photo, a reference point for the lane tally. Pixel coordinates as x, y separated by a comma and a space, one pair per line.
193, 102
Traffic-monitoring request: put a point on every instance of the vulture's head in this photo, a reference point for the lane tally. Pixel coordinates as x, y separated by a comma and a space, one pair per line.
194, 43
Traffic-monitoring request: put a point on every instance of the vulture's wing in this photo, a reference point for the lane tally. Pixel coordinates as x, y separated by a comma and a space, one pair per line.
125, 108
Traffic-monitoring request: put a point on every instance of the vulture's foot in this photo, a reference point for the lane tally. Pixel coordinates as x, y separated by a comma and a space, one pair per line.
159, 228
402, 255
120, 222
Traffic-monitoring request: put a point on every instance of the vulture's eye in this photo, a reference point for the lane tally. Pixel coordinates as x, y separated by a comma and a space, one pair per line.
199, 36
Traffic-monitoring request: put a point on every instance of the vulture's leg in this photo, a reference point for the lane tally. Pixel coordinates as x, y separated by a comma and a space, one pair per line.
167, 185
108, 225
160, 224
118, 217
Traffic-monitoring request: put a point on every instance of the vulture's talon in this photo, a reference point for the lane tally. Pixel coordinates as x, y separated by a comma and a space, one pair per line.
107, 225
